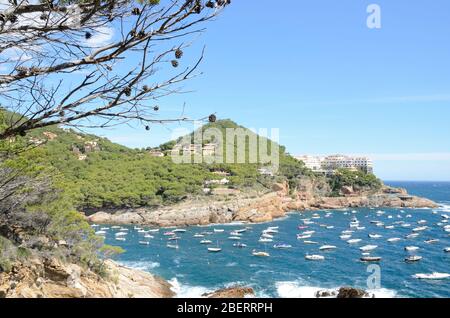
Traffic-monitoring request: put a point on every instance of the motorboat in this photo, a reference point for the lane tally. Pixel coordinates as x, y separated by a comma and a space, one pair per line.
265, 235
354, 241
240, 245
368, 248
422, 222
308, 232
120, 239
148, 236
347, 232
214, 249
394, 239
144, 242
153, 230
302, 237
327, 247
420, 228
375, 236
412, 235
413, 258
447, 250
265, 240
174, 246
234, 238
121, 234
205, 242
179, 231
219, 230
434, 275
260, 254
174, 238
199, 235
168, 233
370, 259
389, 227
361, 228
314, 257
411, 248
345, 237
100, 232
282, 246
431, 241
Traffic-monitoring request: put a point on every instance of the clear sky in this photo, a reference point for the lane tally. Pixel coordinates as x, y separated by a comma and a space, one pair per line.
315, 70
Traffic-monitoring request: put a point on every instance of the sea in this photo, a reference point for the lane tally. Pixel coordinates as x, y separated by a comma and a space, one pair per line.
193, 270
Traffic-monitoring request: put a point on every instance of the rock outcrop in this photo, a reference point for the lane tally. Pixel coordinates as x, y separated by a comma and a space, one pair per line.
350, 292
261, 208
232, 292
54, 279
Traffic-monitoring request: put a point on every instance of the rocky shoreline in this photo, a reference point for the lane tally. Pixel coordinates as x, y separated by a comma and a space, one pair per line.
263, 208
55, 279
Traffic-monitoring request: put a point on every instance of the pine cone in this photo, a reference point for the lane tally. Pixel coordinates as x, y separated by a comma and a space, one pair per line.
178, 53
88, 35
209, 4
136, 11
156, 108
147, 128
127, 91
212, 118
174, 63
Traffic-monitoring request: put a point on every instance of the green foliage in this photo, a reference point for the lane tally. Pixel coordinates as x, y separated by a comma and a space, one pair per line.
359, 180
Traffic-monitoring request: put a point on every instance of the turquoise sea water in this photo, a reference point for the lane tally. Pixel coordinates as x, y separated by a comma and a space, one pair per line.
286, 273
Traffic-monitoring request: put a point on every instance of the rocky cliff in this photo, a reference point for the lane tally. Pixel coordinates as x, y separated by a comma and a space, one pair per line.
262, 208
55, 279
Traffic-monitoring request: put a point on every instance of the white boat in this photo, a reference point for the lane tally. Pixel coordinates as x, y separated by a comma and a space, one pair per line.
447, 250
360, 228
168, 233
234, 238
174, 246
345, 237
95, 225
214, 249
205, 242
234, 233
431, 241
375, 236
310, 242
327, 247
136, 228
282, 246
347, 232
104, 228
308, 232
406, 225
260, 254
411, 248
413, 258
199, 235
314, 257
370, 259
273, 227
270, 231
148, 236
240, 230
354, 241
412, 235
365, 254
144, 242
394, 239
420, 228
330, 227
432, 276
142, 231
153, 230
219, 230
302, 237
120, 239
265, 240
179, 231
422, 222
121, 234
115, 227
100, 233
174, 238
265, 235
240, 245
368, 248
389, 227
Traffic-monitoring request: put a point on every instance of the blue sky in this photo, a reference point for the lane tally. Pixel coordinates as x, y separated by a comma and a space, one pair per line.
331, 85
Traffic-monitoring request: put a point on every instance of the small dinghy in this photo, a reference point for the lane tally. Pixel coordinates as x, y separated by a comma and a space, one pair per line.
144, 242
345, 237
174, 238
240, 245
265, 240
219, 230
394, 239
354, 241
431, 241
234, 238
406, 225
205, 242
265, 235
375, 236
310, 242
389, 227
173, 246
412, 259
260, 254
370, 259
329, 227
308, 232
302, 237
214, 249
314, 257
361, 228
179, 231
121, 239
421, 222
432, 276
327, 247
368, 248
199, 235
411, 248
282, 246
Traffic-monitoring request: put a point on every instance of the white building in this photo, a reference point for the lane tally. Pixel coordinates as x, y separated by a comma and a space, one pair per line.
329, 164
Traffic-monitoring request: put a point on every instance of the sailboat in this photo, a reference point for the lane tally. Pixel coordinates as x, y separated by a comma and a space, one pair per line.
214, 249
